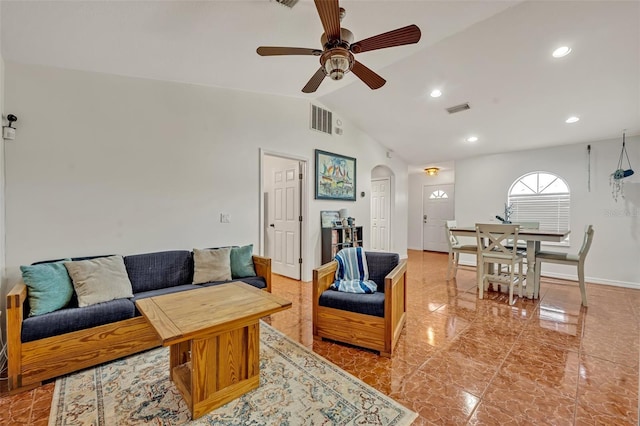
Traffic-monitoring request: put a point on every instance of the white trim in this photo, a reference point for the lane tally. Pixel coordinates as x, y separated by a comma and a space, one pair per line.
571, 277
593, 280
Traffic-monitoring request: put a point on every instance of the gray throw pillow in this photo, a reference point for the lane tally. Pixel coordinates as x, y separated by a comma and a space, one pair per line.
211, 265
99, 280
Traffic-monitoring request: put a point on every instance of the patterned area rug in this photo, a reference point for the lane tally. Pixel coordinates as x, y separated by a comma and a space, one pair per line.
297, 387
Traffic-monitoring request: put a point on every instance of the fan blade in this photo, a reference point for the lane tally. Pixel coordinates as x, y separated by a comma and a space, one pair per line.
313, 84
399, 37
369, 77
329, 12
275, 51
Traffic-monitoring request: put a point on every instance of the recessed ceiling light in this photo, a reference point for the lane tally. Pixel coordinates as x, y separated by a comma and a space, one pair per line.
472, 139
561, 52
436, 93
572, 119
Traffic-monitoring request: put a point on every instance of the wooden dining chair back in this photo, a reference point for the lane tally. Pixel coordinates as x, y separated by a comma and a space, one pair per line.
567, 259
522, 246
493, 249
456, 248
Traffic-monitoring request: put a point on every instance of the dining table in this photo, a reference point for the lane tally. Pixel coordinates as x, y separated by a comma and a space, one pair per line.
533, 238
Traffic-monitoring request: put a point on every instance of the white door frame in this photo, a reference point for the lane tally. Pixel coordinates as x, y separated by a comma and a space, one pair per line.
304, 209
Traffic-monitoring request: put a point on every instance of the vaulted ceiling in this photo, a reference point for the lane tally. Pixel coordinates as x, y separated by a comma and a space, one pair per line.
494, 55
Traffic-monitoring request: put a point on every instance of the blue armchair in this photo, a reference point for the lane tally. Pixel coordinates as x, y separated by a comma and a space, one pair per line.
372, 321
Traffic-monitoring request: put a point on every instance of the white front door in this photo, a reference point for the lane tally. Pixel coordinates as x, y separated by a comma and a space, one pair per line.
283, 214
437, 208
380, 210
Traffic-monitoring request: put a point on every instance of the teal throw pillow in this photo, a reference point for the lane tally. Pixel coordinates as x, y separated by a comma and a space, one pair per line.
242, 262
49, 287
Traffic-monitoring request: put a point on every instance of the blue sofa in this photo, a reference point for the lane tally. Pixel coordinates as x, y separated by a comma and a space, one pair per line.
69, 339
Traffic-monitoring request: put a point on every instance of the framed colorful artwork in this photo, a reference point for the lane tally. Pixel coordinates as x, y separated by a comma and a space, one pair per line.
335, 176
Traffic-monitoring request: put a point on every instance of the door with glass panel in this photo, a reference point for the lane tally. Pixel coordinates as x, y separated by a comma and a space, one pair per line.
437, 208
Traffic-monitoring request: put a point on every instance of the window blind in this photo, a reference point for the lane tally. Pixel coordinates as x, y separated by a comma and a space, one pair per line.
550, 210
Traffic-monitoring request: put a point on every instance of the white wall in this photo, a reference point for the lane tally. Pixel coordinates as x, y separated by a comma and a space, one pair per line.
481, 191
107, 164
3, 114
417, 181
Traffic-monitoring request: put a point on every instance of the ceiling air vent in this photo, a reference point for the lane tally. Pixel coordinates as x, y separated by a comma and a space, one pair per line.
288, 3
458, 108
321, 119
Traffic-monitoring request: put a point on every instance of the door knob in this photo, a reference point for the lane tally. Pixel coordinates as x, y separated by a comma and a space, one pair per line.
272, 225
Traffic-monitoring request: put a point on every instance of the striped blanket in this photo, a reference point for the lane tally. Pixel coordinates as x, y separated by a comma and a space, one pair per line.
352, 275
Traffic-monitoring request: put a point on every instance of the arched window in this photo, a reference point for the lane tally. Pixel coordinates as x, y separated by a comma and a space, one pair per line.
541, 197
438, 194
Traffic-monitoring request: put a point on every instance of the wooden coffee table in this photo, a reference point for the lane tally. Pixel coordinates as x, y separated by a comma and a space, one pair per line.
214, 339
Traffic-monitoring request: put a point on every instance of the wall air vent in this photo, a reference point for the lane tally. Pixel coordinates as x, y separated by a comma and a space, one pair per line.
458, 108
288, 3
321, 119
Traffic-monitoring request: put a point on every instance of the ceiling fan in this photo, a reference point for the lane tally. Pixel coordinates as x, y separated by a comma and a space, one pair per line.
336, 56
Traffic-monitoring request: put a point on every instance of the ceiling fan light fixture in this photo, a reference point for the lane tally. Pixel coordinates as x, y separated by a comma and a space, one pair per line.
336, 63
432, 171
336, 67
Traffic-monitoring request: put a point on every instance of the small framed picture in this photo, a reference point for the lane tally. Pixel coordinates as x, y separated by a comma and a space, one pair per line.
328, 218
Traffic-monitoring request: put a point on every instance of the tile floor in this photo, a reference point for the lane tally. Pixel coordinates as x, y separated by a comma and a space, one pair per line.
462, 360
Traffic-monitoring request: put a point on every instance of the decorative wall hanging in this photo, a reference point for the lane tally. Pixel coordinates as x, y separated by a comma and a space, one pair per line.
335, 177
616, 178
589, 168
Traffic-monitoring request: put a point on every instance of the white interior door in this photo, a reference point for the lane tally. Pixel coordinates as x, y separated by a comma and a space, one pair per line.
380, 210
437, 208
283, 216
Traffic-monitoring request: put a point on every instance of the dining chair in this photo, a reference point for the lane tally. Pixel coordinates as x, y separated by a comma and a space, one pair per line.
492, 249
566, 259
456, 248
524, 225
522, 245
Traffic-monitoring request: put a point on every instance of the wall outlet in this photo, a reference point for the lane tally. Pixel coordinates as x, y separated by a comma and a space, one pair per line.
225, 218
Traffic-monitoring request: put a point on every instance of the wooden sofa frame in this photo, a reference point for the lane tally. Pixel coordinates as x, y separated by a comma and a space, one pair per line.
31, 363
368, 331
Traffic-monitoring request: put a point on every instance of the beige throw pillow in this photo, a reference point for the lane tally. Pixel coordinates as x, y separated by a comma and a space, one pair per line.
211, 265
99, 280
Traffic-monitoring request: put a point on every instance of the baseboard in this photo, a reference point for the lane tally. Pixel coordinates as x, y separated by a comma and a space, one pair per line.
594, 280
571, 277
